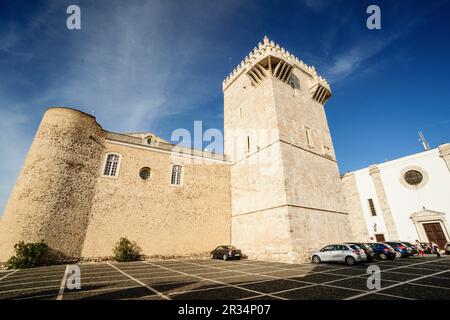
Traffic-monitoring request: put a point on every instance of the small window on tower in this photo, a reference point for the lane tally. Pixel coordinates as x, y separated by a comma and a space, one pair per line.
372, 208
326, 151
248, 144
308, 137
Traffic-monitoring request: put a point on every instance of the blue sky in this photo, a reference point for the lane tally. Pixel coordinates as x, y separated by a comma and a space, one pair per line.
159, 65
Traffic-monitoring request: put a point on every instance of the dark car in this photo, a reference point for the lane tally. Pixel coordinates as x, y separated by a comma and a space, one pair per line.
226, 252
382, 251
411, 248
447, 248
367, 250
401, 250
426, 247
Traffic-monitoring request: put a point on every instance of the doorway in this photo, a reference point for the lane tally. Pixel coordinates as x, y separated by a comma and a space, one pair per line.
380, 237
435, 234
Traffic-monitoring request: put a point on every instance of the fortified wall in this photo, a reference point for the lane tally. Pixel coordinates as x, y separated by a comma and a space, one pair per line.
61, 195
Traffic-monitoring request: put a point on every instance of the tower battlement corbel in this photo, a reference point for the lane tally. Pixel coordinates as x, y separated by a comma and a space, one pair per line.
257, 68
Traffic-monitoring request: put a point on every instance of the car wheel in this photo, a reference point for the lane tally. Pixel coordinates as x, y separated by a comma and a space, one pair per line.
398, 254
383, 256
316, 259
225, 258
350, 261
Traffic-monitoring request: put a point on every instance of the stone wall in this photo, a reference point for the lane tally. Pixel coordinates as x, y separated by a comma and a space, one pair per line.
444, 153
62, 197
356, 214
53, 194
391, 229
162, 219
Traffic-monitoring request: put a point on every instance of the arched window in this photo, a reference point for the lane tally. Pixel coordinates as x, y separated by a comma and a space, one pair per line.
112, 165
177, 171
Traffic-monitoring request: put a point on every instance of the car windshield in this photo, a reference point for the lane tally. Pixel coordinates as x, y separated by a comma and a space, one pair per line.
354, 247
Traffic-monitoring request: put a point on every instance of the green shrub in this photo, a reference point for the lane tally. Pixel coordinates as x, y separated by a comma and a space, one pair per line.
126, 250
28, 255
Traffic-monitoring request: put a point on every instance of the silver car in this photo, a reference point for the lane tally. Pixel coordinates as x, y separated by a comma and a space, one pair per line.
348, 253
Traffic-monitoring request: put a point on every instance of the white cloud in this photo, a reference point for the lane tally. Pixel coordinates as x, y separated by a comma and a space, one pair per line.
133, 63
14, 142
317, 5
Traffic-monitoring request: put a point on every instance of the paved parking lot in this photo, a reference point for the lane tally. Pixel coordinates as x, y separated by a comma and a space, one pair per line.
413, 278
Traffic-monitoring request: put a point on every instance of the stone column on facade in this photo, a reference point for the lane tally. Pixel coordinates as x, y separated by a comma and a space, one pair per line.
356, 215
382, 198
444, 153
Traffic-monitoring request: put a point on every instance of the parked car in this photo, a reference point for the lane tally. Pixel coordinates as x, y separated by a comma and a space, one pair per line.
400, 249
383, 251
411, 248
447, 248
367, 249
226, 252
348, 253
426, 247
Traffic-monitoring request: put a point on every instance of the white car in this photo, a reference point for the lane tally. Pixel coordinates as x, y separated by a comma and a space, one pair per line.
348, 253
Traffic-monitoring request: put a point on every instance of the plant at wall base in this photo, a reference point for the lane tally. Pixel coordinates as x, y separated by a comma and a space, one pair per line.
126, 250
28, 255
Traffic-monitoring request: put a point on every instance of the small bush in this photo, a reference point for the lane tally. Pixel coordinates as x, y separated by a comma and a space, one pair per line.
28, 255
126, 250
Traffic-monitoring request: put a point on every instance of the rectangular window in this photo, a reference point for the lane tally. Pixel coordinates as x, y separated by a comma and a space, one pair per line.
177, 170
111, 165
308, 137
372, 208
248, 144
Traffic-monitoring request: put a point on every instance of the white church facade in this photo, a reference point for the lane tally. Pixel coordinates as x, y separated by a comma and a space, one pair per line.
404, 199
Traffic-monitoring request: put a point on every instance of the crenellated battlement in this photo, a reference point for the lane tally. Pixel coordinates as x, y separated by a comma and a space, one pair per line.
270, 48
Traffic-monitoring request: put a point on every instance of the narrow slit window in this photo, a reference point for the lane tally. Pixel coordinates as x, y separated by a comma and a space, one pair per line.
308, 137
372, 208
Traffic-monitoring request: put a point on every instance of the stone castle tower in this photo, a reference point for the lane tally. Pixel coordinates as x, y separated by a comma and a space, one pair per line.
53, 194
285, 184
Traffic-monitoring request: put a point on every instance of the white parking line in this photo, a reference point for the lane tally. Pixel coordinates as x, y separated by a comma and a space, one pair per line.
140, 282
212, 280
30, 289
429, 286
4, 277
113, 289
319, 272
63, 284
396, 285
9, 284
